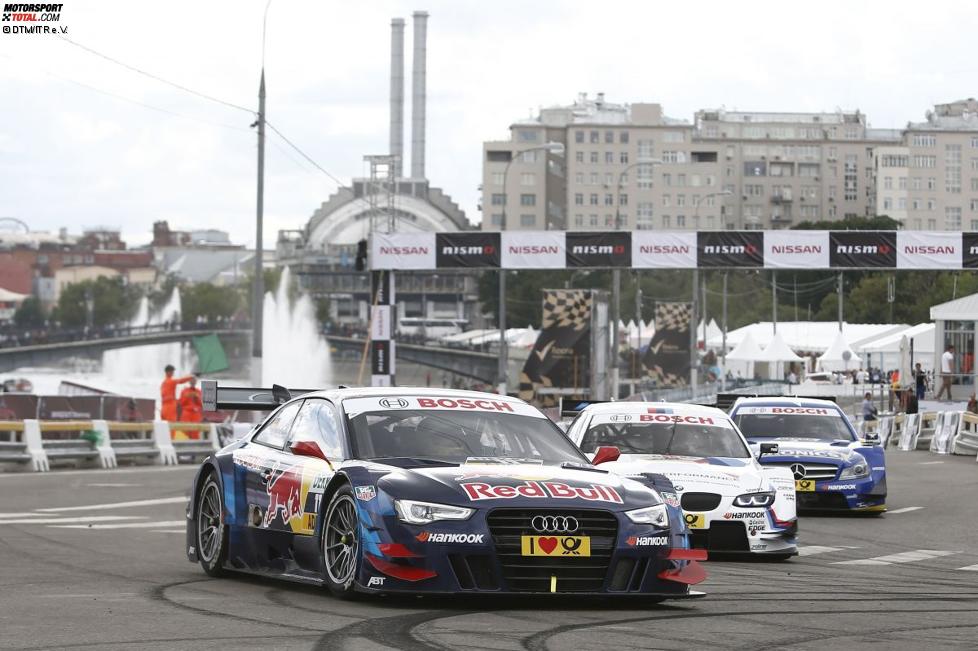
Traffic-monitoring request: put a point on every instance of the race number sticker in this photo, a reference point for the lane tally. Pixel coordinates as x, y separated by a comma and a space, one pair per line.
805, 485
695, 520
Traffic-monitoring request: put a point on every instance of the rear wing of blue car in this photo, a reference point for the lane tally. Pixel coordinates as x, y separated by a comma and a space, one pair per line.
725, 401
571, 407
216, 397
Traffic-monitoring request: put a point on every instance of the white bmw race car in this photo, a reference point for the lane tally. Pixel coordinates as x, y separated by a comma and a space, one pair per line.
730, 501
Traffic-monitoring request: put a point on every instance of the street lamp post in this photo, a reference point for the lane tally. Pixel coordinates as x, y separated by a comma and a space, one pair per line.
503, 369
616, 286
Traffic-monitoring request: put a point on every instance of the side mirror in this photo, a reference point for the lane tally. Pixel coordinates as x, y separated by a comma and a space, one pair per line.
605, 453
308, 449
768, 448
871, 439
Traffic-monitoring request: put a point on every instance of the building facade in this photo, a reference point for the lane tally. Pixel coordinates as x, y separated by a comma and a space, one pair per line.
595, 165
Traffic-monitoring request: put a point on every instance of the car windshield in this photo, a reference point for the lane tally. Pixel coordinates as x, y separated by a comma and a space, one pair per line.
765, 424
454, 436
681, 439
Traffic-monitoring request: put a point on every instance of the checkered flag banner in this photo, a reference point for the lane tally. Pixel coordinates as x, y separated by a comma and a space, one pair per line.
566, 308
672, 316
666, 361
561, 355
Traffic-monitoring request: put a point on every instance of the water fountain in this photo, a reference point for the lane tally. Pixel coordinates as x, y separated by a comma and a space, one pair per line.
294, 354
141, 367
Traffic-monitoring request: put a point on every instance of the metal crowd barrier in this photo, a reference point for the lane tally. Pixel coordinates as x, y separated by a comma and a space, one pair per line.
102, 443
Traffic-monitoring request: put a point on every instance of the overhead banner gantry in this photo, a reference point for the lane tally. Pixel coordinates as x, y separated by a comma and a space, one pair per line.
646, 249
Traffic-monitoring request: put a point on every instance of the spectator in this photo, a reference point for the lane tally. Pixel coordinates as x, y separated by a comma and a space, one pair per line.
920, 379
792, 378
868, 408
910, 404
972, 404
947, 371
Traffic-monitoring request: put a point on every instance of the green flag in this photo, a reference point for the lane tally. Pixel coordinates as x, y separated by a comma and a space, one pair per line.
210, 354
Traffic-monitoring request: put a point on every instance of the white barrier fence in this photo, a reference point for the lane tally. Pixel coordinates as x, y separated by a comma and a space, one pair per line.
944, 432
101, 443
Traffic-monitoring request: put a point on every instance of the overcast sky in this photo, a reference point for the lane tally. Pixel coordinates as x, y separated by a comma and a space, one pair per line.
85, 142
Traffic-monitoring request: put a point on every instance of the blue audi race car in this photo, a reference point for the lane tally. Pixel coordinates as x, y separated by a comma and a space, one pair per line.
425, 491
833, 468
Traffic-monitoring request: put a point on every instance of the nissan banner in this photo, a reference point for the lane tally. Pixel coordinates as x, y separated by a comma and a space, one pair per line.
796, 249
534, 250
730, 249
596, 249
658, 250
920, 250
402, 251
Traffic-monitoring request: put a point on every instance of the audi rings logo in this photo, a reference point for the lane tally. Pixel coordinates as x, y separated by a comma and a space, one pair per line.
393, 403
798, 470
554, 524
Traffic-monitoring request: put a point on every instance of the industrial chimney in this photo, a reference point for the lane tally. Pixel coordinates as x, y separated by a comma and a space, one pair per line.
397, 94
418, 94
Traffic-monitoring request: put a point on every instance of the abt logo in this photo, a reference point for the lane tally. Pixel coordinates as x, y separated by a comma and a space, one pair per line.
377, 581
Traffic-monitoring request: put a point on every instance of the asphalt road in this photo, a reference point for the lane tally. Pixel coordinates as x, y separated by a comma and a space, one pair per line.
77, 576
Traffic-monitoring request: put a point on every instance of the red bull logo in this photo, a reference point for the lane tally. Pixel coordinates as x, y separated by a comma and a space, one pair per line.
284, 494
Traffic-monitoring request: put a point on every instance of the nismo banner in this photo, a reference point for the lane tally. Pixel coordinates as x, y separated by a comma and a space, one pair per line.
784, 249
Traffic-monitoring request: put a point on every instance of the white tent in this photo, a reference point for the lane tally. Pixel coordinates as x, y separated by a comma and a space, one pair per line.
741, 359
809, 336
839, 356
776, 353
707, 331
884, 352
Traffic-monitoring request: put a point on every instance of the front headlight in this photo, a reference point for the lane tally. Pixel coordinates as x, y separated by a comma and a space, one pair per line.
656, 515
857, 470
426, 512
754, 500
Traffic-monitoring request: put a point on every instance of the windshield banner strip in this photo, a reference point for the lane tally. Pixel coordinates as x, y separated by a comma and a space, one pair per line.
790, 411
355, 406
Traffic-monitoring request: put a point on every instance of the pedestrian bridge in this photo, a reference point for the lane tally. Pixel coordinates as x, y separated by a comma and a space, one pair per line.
92, 346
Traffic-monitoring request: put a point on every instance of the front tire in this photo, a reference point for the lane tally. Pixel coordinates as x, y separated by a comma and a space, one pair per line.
341, 543
212, 540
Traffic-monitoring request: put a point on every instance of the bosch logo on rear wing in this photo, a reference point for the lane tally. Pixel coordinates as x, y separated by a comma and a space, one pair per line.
215, 398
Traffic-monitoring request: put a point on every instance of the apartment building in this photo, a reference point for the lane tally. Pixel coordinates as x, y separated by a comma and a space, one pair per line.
596, 165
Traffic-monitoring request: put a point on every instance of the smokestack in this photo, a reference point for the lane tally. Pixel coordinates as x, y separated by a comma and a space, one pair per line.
397, 94
418, 94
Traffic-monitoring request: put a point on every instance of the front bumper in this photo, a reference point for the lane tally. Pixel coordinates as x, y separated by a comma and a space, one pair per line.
482, 556
867, 494
738, 530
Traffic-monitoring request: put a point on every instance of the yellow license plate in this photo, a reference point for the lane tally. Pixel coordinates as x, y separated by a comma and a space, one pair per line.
556, 545
805, 485
695, 520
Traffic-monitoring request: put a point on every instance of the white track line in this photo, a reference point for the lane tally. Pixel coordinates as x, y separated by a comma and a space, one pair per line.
970, 568
20, 476
117, 505
812, 550
115, 485
929, 463
22, 515
906, 509
904, 557
123, 525
169, 531
55, 520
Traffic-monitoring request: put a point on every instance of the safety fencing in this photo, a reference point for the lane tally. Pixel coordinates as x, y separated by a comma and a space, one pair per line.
39, 444
940, 432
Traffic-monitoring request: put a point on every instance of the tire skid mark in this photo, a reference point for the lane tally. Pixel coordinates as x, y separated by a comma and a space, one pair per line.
883, 632
396, 631
538, 641
195, 641
159, 594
